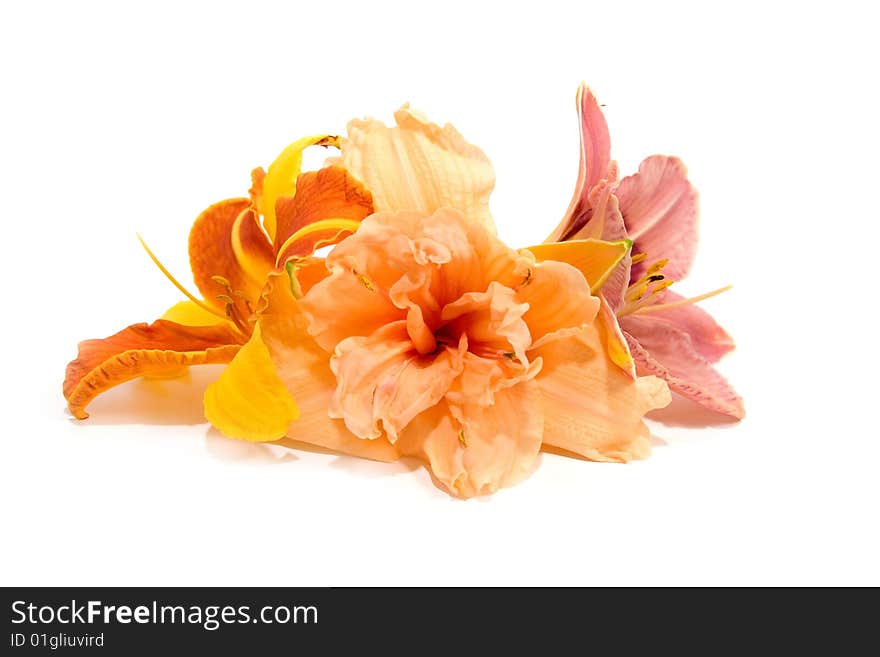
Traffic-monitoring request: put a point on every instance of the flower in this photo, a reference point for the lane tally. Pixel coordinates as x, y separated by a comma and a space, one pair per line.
657, 209
431, 338
231, 254
428, 337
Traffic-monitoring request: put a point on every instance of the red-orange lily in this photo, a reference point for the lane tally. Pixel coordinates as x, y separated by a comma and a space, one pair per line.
234, 245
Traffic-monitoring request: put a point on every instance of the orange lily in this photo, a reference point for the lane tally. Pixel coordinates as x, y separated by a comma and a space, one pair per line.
234, 245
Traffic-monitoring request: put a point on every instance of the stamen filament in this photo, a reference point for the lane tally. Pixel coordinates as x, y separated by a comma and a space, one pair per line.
173, 280
683, 302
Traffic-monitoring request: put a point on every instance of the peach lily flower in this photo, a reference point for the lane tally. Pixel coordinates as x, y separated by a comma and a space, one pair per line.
657, 209
426, 336
231, 253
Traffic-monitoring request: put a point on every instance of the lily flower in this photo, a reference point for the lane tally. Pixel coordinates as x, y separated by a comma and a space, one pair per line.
232, 252
657, 209
426, 336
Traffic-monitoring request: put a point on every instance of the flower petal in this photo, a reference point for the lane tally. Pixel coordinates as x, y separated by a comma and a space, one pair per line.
227, 241
595, 160
559, 301
663, 349
156, 349
475, 450
304, 368
595, 259
190, 314
591, 406
418, 165
330, 193
660, 208
383, 382
708, 338
281, 178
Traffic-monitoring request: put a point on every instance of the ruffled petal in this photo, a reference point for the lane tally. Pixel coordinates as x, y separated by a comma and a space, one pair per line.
304, 368
591, 406
249, 401
660, 208
157, 349
475, 450
418, 165
595, 161
226, 241
667, 351
383, 382
331, 193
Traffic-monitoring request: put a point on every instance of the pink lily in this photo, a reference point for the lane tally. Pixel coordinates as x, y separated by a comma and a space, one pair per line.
657, 209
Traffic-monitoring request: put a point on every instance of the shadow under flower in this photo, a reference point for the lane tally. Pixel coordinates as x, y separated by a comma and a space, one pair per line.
683, 412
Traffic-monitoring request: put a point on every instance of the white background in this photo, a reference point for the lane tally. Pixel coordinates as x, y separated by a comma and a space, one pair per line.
119, 118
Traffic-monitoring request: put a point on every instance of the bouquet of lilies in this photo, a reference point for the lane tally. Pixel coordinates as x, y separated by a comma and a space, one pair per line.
422, 334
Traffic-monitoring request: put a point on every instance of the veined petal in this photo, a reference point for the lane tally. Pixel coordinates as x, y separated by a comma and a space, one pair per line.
595, 161
475, 450
304, 368
591, 406
594, 258
667, 351
280, 179
329, 193
249, 401
227, 241
660, 209
157, 349
418, 165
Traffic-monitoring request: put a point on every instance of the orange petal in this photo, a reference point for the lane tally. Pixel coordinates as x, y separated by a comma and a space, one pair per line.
595, 259
304, 368
227, 241
591, 406
329, 193
157, 349
475, 450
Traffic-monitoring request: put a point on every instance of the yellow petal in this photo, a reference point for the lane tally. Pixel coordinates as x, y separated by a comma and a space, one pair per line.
249, 401
280, 180
190, 314
595, 259
417, 165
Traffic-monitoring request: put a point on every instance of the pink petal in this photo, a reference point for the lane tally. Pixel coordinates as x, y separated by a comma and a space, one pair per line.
709, 339
595, 158
660, 209
663, 349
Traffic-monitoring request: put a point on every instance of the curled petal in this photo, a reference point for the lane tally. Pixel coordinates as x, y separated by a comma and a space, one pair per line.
475, 450
418, 165
660, 208
665, 350
226, 241
591, 406
157, 349
329, 193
